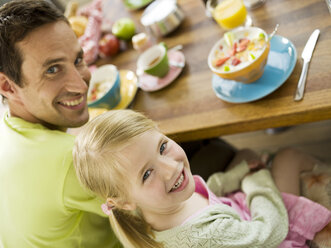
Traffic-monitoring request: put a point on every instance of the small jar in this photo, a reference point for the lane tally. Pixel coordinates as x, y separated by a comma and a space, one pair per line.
141, 42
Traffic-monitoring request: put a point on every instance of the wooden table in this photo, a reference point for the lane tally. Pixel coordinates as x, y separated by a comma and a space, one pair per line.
188, 109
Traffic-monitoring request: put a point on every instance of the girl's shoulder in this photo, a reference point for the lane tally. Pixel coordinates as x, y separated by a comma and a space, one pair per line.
199, 228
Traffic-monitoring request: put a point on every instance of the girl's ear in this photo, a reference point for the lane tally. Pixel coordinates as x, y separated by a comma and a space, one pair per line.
118, 204
7, 87
129, 206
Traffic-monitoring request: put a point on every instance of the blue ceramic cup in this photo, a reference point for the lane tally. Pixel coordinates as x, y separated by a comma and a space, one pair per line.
104, 90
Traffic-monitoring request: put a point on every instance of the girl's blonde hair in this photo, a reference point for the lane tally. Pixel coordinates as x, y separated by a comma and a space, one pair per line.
97, 164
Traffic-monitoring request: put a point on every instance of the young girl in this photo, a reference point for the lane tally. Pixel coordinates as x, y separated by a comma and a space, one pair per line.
153, 200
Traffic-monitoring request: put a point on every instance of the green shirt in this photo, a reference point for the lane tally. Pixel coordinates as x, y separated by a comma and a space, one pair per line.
41, 201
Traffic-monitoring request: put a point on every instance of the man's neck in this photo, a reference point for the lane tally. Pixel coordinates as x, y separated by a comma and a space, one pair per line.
15, 112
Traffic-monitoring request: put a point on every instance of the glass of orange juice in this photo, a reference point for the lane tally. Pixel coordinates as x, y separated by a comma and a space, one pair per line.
229, 14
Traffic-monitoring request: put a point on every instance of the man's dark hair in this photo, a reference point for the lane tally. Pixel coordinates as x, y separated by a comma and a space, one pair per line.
17, 19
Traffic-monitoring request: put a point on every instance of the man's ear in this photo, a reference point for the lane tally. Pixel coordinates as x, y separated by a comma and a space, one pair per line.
115, 203
7, 87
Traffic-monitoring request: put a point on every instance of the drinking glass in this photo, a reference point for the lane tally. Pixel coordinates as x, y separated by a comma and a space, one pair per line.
253, 4
229, 14
328, 3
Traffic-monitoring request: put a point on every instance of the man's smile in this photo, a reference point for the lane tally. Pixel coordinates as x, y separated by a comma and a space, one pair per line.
72, 103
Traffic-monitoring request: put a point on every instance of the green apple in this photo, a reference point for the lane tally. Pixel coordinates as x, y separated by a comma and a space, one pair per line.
123, 28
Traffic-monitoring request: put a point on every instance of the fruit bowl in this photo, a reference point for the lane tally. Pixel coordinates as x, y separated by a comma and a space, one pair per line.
104, 90
240, 55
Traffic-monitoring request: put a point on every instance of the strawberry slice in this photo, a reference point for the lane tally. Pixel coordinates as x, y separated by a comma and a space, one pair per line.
235, 61
221, 61
234, 49
93, 97
244, 42
241, 48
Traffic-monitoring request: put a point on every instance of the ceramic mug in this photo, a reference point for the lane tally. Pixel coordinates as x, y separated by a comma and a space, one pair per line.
154, 61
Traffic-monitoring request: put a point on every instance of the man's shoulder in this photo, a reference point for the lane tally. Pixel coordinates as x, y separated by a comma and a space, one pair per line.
16, 129
33, 145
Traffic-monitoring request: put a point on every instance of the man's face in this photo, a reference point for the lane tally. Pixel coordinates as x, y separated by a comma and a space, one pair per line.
55, 77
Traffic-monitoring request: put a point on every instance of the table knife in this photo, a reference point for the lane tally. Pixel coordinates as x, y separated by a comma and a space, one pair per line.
306, 56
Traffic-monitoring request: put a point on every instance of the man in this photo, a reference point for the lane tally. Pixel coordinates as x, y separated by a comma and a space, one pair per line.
44, 81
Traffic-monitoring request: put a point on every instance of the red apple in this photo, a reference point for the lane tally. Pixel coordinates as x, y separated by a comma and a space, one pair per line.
108, 45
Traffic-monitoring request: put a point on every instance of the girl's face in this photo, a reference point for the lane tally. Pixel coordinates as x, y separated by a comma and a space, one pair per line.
159, 173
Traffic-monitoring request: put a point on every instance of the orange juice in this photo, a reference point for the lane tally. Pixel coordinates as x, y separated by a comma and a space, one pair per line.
230, 13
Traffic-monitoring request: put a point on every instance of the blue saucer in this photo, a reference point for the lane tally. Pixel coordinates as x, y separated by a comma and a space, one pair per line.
280, 64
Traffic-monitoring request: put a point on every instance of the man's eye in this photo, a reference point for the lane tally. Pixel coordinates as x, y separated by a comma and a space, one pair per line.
163, 147
52, 70
78, 61
146, 175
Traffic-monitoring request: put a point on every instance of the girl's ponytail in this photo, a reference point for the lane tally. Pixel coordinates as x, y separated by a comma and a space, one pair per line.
132, 230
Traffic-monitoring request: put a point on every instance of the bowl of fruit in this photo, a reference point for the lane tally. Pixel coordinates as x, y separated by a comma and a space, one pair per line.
240, 55
104, 90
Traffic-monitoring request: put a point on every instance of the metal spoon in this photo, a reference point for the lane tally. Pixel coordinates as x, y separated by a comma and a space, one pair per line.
176, 48
273, 32
177, 64
174, 63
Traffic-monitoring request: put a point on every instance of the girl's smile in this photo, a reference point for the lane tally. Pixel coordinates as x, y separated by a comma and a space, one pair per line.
181, 182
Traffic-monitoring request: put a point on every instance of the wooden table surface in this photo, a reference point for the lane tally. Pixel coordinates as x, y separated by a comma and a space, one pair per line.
188, 109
